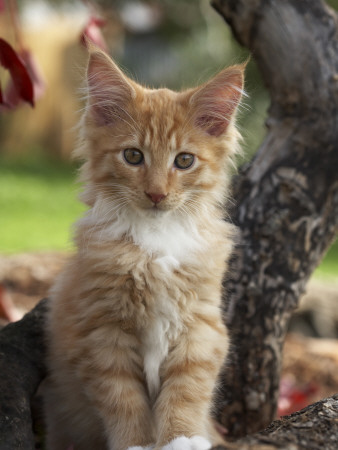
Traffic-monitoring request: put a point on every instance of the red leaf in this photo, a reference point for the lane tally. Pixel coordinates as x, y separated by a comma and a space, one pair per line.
2, 6
22, 83
92, 32
35, 73
33, 70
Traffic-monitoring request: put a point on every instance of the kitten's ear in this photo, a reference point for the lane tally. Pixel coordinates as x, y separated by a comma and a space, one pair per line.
109, 91
216, 101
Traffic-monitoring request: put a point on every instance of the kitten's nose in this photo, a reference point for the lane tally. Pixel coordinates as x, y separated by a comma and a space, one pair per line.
154, 197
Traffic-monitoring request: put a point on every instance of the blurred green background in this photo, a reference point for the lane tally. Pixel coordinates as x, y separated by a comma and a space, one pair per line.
173, 43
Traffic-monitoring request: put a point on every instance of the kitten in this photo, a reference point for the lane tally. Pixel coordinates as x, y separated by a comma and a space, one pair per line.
135, 328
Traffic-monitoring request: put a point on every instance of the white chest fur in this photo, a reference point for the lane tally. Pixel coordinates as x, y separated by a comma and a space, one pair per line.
162, 234
165, 327
172, 241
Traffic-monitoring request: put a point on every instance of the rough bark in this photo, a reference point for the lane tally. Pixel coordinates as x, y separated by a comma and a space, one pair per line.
315, 427
22, 369
286, 198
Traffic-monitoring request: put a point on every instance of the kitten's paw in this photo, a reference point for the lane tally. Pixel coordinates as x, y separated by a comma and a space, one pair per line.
184, 443
140, 448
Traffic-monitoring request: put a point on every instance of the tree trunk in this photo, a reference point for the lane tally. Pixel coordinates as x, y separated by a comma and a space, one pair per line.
286, 198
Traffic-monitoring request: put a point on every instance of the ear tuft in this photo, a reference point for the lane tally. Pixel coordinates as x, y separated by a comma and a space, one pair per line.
215, 103
109, 90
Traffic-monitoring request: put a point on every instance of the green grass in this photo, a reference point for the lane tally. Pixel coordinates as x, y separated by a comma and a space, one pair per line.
38, 204
329, 265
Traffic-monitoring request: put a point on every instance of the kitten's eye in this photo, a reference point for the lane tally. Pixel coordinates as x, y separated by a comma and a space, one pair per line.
133, 156
184, 160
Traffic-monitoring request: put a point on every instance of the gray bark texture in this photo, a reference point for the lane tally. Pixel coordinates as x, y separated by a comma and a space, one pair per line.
313, 428
286, 199
22, 351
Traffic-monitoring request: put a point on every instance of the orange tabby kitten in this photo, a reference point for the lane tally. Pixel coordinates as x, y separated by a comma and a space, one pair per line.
136, 334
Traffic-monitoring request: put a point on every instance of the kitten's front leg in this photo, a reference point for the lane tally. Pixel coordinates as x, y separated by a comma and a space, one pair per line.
114, 382
188, 379
130, 423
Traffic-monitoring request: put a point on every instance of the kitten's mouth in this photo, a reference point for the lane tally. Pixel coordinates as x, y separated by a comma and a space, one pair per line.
157, 207
156, 210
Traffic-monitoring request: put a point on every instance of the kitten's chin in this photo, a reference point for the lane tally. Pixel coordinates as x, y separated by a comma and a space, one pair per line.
148, 210
155, 212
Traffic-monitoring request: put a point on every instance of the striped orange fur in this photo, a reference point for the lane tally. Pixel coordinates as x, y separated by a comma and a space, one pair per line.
136, 336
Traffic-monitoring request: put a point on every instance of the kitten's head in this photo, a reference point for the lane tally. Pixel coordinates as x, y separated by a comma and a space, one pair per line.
155, 150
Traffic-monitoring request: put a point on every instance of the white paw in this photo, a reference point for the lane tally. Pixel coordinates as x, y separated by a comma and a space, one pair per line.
184, 443
140, 448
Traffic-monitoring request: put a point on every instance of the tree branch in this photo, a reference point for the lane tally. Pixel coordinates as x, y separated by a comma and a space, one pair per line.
286, 198
315, 427
22, 367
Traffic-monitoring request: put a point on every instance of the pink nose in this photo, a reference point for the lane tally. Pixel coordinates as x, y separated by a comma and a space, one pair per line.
156, 198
